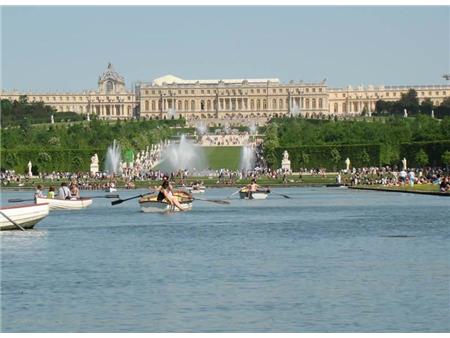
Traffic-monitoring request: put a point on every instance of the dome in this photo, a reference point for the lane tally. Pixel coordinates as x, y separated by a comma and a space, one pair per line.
111, 74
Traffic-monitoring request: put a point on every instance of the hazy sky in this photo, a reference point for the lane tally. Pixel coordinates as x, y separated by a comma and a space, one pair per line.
66, 48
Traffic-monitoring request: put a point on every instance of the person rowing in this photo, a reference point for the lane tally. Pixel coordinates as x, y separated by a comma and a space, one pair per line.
252, 187
165, 192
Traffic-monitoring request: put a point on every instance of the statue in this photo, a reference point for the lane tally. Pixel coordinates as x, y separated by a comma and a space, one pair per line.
94, 164
405, 113
52, 120
88, 118
30, 174
404, 164
285, 163
432, 113
347, 163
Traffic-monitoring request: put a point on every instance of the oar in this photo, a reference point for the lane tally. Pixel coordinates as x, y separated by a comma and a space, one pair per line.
9, 219
106, 196
130, 198
277, 193
14, 200
212, 201
234, 193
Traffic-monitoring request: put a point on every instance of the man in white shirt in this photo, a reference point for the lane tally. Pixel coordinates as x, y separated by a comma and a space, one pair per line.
63, 192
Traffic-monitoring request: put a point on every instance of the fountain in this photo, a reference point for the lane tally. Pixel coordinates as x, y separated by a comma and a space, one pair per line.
183, 155
113, 159
201, 128
295, 111
171, 113
248, 158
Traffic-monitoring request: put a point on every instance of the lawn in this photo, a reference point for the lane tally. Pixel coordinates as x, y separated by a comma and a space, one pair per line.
223, 157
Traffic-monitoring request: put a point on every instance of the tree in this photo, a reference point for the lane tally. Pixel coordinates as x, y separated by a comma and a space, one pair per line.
304, 159
410, 102
426, 106
271, 143
335, 157
364, 158
421, 158
446, 159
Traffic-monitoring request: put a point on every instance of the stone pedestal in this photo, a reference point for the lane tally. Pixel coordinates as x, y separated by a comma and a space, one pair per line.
94, 169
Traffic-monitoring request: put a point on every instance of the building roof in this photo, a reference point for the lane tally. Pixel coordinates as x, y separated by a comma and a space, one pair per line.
111, 74
171, 79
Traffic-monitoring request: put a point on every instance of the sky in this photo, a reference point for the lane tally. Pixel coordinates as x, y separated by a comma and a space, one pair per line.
66, 48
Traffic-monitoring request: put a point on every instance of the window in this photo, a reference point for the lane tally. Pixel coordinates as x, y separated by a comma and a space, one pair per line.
264, 104
320, 103
252, 104
153, 105
186, 105
258, 104
192, 105
314, 90
251, 91
307, 103
320, 90
335, 107
147, 106
274, 104
146, 92
281, 103
179, 91
185, 91
208, 105
202, 105
209, 91
257, 90
307, 90
192, 91
203, 92
180, 105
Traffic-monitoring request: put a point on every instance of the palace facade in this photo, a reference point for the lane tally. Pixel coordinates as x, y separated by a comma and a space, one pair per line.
231, 101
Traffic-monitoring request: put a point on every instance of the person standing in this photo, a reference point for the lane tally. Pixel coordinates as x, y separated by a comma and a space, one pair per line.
412, 177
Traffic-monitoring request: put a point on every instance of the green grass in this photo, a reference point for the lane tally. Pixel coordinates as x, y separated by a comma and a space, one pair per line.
417, 187
223, 157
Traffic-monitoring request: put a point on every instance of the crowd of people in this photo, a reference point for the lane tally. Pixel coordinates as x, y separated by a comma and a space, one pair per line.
393, 177
224, 140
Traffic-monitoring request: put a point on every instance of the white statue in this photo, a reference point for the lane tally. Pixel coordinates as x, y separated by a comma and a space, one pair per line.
347, 163
404, 164
432, 114
29, 169
405, 113
88, 117
94, 164
52, 120
285, 163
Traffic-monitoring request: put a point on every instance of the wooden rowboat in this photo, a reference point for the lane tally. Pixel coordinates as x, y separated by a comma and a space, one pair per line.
196, 189
57, 204
151, 204
26, 215
256, 195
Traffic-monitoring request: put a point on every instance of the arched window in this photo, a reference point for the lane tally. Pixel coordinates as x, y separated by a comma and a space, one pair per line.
264, 104
109, 86
192, 105
186, 105
147, 106
307, 103
202, 105
314, 103
274, 104
208, 105
344, 107
180, 105
153, 105
335, 107
320, 103
281, 103
252, 104
129, 110
258, 104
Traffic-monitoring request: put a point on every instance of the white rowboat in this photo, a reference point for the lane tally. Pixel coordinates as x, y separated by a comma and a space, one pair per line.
256, 195
26, 215
196, 190
57, 204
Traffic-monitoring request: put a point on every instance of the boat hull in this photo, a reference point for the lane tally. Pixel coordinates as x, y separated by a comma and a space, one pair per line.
57, 204
24, 215
195, 191
151, 204
258, 195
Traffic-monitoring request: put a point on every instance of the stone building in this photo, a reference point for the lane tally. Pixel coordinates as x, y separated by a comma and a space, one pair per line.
111, 100
224, 101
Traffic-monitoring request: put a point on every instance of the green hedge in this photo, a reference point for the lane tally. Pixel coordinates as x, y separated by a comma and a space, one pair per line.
360, 155
72, 160
434, 150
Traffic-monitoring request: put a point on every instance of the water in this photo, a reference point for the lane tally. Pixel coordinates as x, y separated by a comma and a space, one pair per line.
183, 155
320, 261
113, 158
248, 158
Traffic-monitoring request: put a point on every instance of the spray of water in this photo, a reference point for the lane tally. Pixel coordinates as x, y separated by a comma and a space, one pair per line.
252, 128
113, 159
248, 158
183, 155
171, 113
295, 110
201, 128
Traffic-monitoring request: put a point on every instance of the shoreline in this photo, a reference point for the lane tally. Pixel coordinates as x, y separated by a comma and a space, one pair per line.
432, 193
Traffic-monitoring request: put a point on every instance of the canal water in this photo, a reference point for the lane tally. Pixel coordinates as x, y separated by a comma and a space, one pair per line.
325, 260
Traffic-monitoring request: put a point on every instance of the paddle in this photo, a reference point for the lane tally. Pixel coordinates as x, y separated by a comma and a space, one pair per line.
234, 193
130, 198
212, 201
277, 193
15, 200
9, 219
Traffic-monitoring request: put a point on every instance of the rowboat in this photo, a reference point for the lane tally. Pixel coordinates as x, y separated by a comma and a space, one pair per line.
255, 195
110, 189
196, 189
26, 215
151, 204
72, 204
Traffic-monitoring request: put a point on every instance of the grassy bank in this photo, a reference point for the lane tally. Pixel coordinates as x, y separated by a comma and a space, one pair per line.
431, 189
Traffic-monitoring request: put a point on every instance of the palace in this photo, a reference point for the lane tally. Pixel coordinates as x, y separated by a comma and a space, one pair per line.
232, 101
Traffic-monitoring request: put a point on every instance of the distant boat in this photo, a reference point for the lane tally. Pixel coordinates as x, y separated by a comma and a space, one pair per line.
110, 189
26, 215
256, 195
72, 204
196, 189
151, 204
